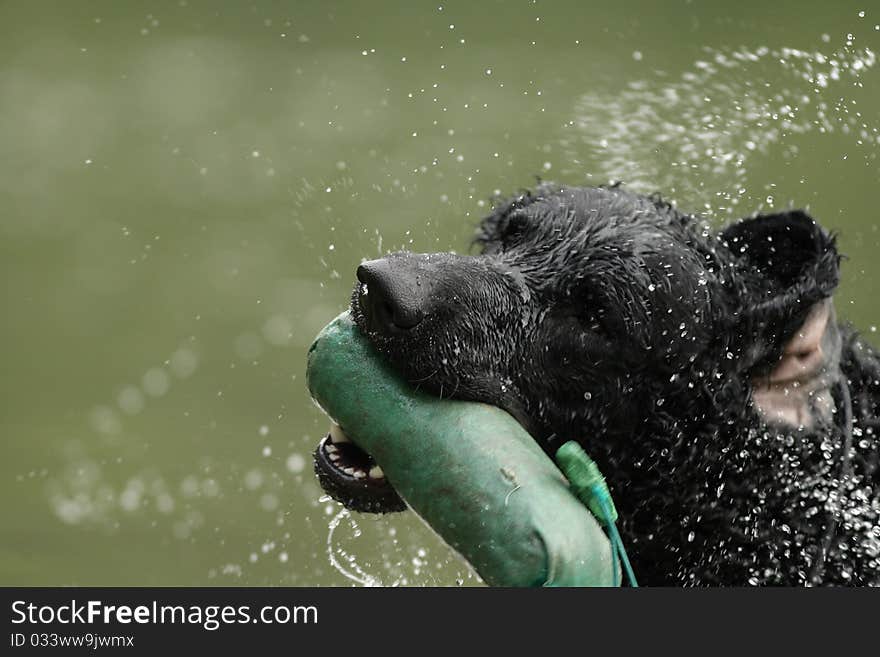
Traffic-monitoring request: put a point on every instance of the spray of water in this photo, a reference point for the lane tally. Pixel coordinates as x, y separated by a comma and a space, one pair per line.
334, 553
696, 135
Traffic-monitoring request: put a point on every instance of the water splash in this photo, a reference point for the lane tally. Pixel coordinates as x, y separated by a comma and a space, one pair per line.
697, 135
335, 553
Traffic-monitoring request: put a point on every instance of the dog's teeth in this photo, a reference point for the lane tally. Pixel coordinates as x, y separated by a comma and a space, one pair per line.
359, 474
331, 448
334, 457
376, 472
337, 435
348, 471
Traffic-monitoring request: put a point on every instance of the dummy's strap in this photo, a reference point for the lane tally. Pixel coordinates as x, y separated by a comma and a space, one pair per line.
588, 484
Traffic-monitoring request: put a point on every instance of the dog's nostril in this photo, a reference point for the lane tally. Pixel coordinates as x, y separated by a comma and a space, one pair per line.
363, 274
391, 301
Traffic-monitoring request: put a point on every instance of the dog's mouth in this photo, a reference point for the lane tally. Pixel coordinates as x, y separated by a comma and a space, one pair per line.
346, 472
351, 476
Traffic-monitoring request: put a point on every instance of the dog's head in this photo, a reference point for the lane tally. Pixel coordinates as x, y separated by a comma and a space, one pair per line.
590, 310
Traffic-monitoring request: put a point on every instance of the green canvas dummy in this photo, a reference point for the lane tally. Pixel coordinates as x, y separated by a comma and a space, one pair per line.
468, 469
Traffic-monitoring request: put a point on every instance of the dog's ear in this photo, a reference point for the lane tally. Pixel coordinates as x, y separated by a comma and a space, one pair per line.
784, 264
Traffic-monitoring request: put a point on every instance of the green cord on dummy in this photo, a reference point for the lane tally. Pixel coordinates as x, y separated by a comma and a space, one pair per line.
590, 487
470, 471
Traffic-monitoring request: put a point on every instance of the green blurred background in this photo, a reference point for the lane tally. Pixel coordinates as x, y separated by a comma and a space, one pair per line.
187, 187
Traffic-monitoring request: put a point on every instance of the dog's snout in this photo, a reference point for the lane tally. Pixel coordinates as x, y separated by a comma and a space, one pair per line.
391, 296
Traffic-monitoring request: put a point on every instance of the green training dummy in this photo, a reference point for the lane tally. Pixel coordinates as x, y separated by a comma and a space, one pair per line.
468, 469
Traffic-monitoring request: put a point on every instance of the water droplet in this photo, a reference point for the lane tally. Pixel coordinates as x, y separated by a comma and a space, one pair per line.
156, 382
296, 463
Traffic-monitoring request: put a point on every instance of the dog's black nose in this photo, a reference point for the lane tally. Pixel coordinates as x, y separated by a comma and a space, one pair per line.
391, 296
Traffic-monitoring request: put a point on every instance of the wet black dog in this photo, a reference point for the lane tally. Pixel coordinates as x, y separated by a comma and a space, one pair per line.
735, 419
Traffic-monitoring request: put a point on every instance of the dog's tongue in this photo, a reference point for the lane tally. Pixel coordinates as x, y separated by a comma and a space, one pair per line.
803, 355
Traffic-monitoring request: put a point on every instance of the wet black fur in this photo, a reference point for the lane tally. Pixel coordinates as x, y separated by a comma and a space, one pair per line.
621, 322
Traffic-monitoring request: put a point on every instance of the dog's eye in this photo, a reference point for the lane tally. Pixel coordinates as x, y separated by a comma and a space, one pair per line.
593, 315
515, 226
594, 323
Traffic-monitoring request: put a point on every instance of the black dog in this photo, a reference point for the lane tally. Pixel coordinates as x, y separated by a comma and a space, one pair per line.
735, 419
